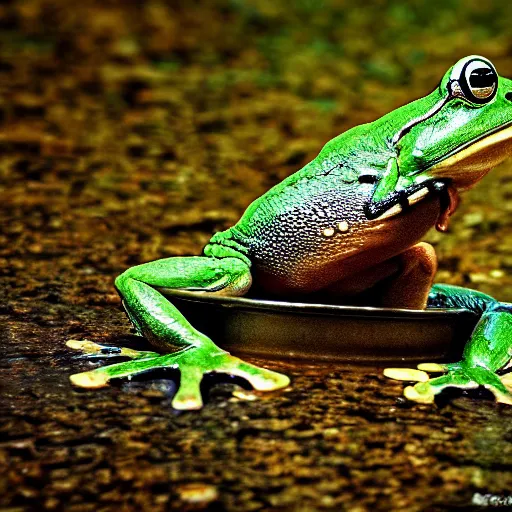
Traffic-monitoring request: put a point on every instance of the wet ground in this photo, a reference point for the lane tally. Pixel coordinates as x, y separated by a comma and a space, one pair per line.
132, 132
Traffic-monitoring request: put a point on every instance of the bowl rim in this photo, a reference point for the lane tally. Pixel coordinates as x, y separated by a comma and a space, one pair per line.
309, 308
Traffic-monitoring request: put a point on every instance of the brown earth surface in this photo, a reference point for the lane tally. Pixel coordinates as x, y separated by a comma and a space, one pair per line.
131, 131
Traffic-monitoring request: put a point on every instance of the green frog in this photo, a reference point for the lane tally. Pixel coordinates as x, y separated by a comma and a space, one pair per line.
346, 228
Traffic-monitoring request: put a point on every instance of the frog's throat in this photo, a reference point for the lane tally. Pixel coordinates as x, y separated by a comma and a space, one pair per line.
469, 163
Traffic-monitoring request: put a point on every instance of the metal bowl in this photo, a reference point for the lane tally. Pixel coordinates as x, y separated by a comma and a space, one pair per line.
322, 332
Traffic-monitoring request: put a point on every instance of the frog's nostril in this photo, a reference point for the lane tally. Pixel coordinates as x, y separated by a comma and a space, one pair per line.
508, 96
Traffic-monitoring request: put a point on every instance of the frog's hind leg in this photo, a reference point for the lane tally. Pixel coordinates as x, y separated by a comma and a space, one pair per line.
403, 281
488, 351
410, 286
192, 353
463, 378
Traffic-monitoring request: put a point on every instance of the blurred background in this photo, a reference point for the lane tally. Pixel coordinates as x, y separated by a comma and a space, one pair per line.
131, 131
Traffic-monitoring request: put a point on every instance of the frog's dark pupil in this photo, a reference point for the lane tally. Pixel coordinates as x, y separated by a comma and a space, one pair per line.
480, 78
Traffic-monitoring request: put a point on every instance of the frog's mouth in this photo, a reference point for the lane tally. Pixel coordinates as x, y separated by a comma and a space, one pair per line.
469, 163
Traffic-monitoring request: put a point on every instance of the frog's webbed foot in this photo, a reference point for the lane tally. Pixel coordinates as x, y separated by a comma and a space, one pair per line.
185, 349
487, 352
193, 363
457, 375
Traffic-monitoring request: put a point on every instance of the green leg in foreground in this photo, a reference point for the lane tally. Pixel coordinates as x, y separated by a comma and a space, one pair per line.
488, 351
188, 350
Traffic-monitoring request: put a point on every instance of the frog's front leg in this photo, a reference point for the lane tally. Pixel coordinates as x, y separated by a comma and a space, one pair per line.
488, 351
164, 326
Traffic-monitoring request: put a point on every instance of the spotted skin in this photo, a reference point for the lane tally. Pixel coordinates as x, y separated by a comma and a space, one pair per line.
293, 254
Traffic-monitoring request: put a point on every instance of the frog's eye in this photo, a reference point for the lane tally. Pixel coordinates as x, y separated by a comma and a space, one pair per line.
476, 81
481, 81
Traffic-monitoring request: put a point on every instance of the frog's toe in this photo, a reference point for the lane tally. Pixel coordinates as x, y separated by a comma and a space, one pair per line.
501, 397
260, 379
506, 380
91, 379
408, 374
433, 367
188, 396
501, 388
99, 377
95, 350
420, 394
189, 402
85, 346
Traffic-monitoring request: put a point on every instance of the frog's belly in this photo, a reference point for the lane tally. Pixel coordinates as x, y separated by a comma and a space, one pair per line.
319, 254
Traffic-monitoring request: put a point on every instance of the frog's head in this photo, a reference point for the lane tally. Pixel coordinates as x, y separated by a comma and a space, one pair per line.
460, 131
